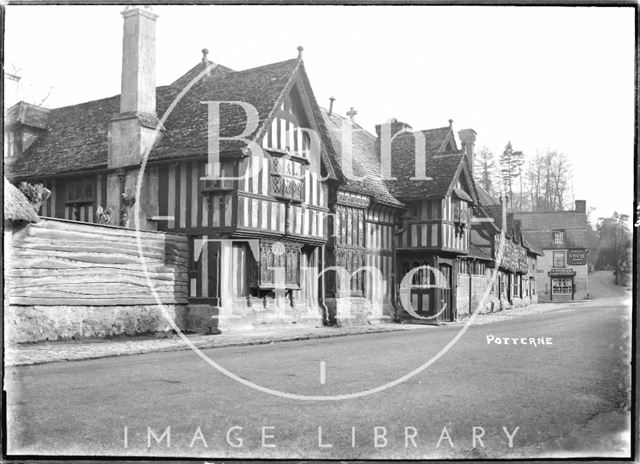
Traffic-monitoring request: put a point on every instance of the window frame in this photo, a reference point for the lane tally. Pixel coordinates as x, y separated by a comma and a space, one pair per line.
72, 187
558, 234
564, 259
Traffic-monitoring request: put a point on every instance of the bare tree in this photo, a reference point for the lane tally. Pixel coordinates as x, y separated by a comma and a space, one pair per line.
548, 178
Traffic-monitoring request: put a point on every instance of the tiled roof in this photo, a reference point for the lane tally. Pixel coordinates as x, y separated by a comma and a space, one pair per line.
365, 162
539, 228
486, 198
483, 253
217, 70
186, 126
441, 167
527, 241
76, 137
16, 205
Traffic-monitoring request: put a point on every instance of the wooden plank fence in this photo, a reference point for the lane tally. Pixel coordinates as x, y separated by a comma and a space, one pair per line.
57, 262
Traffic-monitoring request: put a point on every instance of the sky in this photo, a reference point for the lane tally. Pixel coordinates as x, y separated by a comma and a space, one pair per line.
540, 77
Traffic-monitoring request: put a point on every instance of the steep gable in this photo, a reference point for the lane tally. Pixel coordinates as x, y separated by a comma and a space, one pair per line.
440, 166
76, 136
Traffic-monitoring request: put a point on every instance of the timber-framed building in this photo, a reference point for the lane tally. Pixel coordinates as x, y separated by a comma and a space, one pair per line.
302, 214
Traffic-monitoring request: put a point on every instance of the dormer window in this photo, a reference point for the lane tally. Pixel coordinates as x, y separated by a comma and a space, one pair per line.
558, 237
10, 145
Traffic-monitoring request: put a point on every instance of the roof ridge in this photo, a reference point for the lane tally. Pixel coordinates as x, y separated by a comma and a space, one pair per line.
161, 87
266, 65
353, 123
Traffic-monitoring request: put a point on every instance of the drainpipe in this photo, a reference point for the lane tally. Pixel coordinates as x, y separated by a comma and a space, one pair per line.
322, 302
470, 286
394, 274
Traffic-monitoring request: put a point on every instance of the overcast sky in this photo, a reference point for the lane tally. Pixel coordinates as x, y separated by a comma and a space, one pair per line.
541, 77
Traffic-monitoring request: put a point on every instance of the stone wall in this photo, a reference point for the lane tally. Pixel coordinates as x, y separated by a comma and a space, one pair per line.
67, 279
492, 303
479, 284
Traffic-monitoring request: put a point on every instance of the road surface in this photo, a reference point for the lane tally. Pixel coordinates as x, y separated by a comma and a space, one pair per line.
569, 397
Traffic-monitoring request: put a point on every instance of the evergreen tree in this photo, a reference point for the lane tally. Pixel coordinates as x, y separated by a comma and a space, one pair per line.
485, 169
510, 168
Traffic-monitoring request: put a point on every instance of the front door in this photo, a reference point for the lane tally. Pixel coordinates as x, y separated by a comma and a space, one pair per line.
445, 294
204, 270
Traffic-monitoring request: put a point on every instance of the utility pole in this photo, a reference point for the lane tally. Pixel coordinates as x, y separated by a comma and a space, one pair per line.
615, 252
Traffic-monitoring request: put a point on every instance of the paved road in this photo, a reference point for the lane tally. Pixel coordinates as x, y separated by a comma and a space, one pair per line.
567, 398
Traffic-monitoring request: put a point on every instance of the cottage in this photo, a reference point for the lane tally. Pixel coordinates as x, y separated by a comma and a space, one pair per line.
563, 273
516, 273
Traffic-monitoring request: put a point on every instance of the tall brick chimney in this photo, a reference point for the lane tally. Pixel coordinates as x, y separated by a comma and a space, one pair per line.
581, 206
386, 132
138, 61
133, 130
468, 140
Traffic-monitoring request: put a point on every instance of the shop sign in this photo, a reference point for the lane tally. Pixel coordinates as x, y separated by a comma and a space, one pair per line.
577, 257
562, 273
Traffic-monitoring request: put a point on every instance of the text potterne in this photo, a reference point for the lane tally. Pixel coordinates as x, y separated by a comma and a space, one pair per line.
377, 437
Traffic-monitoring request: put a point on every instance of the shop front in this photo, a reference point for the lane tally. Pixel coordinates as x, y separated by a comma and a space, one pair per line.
562, 284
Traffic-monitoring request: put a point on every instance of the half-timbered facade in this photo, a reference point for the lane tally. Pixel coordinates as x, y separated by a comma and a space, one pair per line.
434, 231
363, 217
300, 232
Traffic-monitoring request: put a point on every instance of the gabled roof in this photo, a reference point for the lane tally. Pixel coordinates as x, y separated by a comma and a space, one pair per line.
186, 126
527, 241
215, 71
486, 198
76, 137
16, 205
480, 252
441, 167
365, 162
27, 114
539, 228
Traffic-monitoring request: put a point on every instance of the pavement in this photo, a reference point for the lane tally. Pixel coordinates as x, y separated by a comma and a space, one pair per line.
59, 351
567, 398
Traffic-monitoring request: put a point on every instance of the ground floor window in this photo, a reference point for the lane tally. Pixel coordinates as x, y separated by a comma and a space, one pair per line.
532, 285
516, 286
502, 284
561, 286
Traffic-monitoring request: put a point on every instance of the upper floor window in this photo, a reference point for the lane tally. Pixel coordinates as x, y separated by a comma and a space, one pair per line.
558, 237
558, 259
287, 179
80, 191
9, 148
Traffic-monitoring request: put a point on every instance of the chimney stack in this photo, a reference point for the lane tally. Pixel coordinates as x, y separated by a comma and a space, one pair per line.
133, 128
468, 140
138, 61
394, 126
517, 228
581, 206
